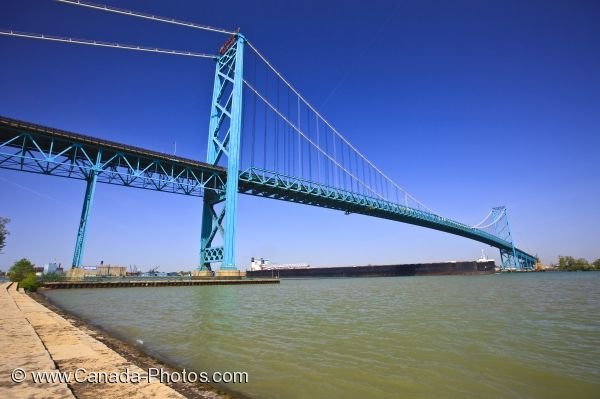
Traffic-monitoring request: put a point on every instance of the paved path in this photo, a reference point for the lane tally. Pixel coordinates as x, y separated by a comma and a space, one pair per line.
21, 347
36, 339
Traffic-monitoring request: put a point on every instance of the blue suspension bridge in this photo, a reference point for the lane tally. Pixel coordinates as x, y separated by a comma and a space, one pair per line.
264, 139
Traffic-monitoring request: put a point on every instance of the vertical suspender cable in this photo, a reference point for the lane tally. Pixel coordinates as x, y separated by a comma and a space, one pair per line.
266, 122
299, 142
291, 137
277, 132
331, 127
253, 118
343, 151
327, 161
336, 170
309, 147
288, 139
318, 155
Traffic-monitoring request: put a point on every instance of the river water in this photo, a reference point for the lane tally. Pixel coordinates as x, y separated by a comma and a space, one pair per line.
534, 335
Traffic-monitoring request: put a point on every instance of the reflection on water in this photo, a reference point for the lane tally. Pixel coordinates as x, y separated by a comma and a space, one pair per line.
534, 335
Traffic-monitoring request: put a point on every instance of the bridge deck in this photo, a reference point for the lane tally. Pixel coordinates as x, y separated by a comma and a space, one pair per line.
54, 142
8, 126
34, 148
271, 185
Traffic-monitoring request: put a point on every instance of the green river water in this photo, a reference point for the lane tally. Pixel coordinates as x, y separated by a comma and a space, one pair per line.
534, 335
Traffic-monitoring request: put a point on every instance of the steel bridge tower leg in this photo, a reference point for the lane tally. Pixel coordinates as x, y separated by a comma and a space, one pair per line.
508, 257
224, 136
85, 213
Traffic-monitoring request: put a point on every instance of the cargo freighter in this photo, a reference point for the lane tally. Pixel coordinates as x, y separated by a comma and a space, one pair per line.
261, 268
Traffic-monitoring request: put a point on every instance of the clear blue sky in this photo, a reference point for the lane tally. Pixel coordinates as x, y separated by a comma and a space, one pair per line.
466, 104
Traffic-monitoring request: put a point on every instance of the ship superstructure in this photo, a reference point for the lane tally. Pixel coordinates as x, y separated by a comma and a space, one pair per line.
264, 264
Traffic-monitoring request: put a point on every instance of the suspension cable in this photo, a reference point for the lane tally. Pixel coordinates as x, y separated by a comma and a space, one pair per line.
278, 74
41, 36
484, 219
301, 134
489, 224
103, 7
175, 52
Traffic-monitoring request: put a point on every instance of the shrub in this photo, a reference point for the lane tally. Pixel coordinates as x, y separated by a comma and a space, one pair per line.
29, 283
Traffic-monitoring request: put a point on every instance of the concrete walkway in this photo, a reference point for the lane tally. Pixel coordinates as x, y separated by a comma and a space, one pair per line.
21, 347
36, 339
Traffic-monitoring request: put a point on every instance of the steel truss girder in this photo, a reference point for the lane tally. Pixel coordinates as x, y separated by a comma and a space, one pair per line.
32, 148
224, 137
510, 258
516, 260
29, 151
269, 184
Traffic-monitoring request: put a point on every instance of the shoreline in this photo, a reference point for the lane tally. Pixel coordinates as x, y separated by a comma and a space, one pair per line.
136, 355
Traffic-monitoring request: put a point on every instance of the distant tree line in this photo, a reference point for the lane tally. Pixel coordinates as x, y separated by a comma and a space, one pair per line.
23, 272
568, 263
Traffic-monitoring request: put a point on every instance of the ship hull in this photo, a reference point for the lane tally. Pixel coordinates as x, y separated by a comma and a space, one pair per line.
416, 269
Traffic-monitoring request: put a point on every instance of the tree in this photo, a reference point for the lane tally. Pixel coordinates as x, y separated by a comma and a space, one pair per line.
3, 232
565, 262
569, 263
582, 264
597, 264
21, 269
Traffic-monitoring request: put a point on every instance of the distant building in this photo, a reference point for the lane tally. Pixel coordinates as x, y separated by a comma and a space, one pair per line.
154, 274
52, 267
105, 271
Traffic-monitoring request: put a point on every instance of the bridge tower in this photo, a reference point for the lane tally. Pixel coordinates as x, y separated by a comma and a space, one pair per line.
219, 209
511, 258
507, 256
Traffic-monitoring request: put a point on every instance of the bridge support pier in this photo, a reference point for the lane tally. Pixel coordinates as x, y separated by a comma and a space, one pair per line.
85, 213
224, 136
515, 260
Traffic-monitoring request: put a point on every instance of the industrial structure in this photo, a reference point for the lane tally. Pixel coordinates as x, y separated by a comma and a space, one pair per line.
265, 139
